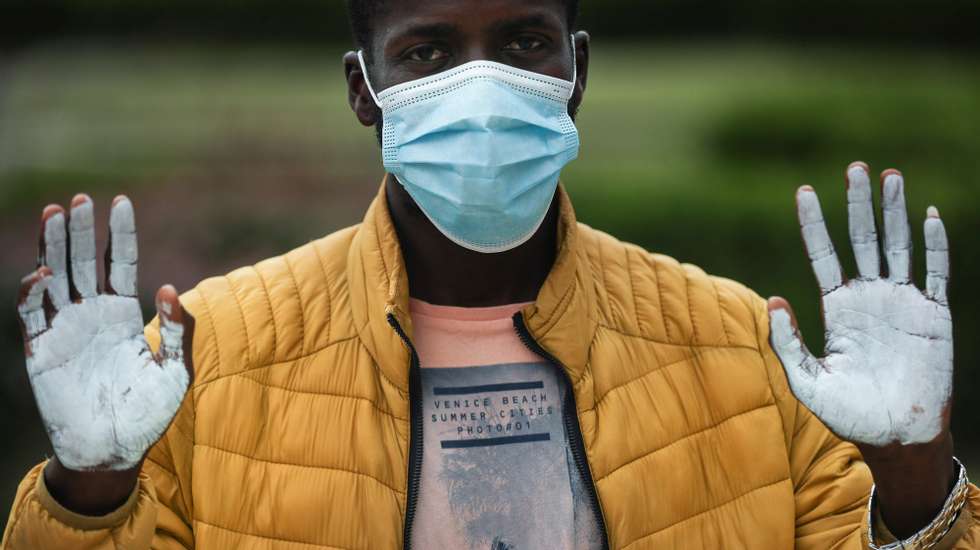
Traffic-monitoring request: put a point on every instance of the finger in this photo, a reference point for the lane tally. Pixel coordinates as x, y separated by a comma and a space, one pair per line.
861, 221
937, 257
171, 325
802, 368
898, 239
176, 329
819, 247
122, 250
53, 252
81, 239
30, 303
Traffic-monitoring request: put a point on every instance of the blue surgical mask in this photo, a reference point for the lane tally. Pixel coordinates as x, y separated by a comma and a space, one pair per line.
479, 148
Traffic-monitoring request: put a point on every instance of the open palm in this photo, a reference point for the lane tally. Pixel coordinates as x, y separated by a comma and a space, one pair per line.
887, 373
104, 397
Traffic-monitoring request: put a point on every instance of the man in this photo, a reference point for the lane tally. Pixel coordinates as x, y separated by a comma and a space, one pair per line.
471, 368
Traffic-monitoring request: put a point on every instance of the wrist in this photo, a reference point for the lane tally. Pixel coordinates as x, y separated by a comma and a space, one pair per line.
912, 482
89, 493
950, 522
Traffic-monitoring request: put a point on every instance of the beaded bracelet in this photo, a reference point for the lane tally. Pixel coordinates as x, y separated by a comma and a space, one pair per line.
931, 534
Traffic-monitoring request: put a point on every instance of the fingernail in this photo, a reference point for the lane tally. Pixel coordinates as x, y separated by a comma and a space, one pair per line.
892, 186
51, 210
858, 181
81, 205
932, 212
890, 173
809, 207
121, 216
857, 171
80, 198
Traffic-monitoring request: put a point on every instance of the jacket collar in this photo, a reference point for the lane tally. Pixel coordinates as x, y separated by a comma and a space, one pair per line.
562, 319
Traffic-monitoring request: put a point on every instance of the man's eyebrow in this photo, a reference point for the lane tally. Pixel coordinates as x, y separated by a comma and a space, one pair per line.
524, 22
424, 29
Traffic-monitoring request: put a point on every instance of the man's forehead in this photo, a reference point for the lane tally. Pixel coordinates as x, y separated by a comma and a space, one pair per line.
409, 17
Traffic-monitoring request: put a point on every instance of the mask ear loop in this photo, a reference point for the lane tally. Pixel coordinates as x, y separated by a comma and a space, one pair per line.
367, 80
574, 64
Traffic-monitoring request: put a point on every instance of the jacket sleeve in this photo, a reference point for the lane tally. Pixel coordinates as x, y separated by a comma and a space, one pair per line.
155, 515
37, 521
831, 481
158, 513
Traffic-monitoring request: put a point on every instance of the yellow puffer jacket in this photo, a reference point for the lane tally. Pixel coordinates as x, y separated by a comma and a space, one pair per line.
296, 434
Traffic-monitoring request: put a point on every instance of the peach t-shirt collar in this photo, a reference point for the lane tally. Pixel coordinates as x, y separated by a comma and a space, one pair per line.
449, 336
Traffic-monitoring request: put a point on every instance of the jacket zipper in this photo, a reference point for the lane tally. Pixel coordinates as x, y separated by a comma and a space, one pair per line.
415, 437
572, 426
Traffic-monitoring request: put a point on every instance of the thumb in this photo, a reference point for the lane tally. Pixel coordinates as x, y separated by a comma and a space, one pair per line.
801, 367
176, 330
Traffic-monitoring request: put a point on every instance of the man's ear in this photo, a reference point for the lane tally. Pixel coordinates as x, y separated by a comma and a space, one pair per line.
582, 40
358, 94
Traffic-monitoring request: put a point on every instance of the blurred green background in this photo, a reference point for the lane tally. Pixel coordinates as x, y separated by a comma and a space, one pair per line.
227, 123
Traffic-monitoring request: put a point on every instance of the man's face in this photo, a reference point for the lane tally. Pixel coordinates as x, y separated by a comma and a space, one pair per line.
417, 38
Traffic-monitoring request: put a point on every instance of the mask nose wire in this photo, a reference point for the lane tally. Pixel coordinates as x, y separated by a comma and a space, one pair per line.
367, 80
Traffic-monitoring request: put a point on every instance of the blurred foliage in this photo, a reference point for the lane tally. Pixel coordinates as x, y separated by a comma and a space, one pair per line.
946, 22
693, 151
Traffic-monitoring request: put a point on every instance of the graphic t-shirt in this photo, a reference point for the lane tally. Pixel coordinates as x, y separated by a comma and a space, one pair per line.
497, 469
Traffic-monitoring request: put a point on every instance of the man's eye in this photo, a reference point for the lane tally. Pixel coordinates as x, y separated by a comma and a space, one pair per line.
525, 43
427, 54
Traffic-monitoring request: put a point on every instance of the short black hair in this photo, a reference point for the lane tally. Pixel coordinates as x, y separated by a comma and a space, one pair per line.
362, 12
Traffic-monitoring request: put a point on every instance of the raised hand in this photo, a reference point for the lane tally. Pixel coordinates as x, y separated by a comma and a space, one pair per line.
104, 397
887, 375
